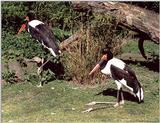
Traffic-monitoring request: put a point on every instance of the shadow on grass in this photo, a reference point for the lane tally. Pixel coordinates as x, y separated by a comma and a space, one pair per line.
113, 92
151, 65
56, 68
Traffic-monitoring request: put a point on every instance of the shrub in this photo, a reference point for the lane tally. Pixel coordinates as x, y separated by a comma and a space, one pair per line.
14, 46
82, 55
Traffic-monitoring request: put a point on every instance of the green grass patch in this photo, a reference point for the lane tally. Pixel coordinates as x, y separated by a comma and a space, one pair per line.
149, 47
60, 101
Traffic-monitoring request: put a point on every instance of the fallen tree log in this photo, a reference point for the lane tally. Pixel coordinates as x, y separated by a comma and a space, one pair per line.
70, 40
140, 20
130, 16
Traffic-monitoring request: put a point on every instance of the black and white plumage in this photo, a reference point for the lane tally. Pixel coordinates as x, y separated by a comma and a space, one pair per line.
41, 32
124, 77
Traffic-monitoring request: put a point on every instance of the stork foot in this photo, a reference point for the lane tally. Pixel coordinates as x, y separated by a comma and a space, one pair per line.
39, 86
39, 71
121, 102
92, 108
116, 105
88, 110
91, 103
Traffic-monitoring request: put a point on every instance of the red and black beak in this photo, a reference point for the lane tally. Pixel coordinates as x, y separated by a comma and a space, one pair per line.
100, 65
22, 28
23, 25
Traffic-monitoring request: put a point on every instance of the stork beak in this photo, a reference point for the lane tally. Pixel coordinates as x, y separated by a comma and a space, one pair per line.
23, 25
94, 69
22, 28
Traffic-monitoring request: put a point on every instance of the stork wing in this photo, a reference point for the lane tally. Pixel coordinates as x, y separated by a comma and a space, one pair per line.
44, 35
119, 74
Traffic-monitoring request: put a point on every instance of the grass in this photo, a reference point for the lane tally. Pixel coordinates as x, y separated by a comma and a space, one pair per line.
149, 47
61, 101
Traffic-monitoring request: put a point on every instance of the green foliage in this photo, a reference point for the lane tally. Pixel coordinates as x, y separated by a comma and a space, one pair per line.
32, 78
61, 34
14, 46
9, 76
55, 13
58, 14
45, 77
23, 45
48, 76
12, 14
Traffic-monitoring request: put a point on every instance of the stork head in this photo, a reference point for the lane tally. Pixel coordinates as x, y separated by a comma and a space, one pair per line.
107, 51
30, 16
140, 95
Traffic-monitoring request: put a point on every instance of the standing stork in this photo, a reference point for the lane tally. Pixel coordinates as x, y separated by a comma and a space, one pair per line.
122, 74
39, 31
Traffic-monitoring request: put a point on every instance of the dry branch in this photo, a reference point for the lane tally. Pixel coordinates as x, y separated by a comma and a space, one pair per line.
70, 40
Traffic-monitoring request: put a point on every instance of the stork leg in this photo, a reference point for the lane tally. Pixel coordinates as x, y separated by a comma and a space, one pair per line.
41, 67
39, 71
40, 84
118, 99
122, 99
119, 93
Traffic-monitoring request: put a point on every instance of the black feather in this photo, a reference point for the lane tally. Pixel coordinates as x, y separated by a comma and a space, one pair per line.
44, 35
126, 74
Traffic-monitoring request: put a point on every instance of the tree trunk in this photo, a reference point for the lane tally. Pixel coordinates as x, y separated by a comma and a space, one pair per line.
138, 19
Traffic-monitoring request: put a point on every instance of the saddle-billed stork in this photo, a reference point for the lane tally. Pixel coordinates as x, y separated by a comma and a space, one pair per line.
41, 32
122, 74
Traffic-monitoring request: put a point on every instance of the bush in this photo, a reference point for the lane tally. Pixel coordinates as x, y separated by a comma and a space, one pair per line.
81, 56
14, 46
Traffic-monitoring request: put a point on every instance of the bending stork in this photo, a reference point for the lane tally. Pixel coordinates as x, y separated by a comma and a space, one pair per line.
39, 31
123, 76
